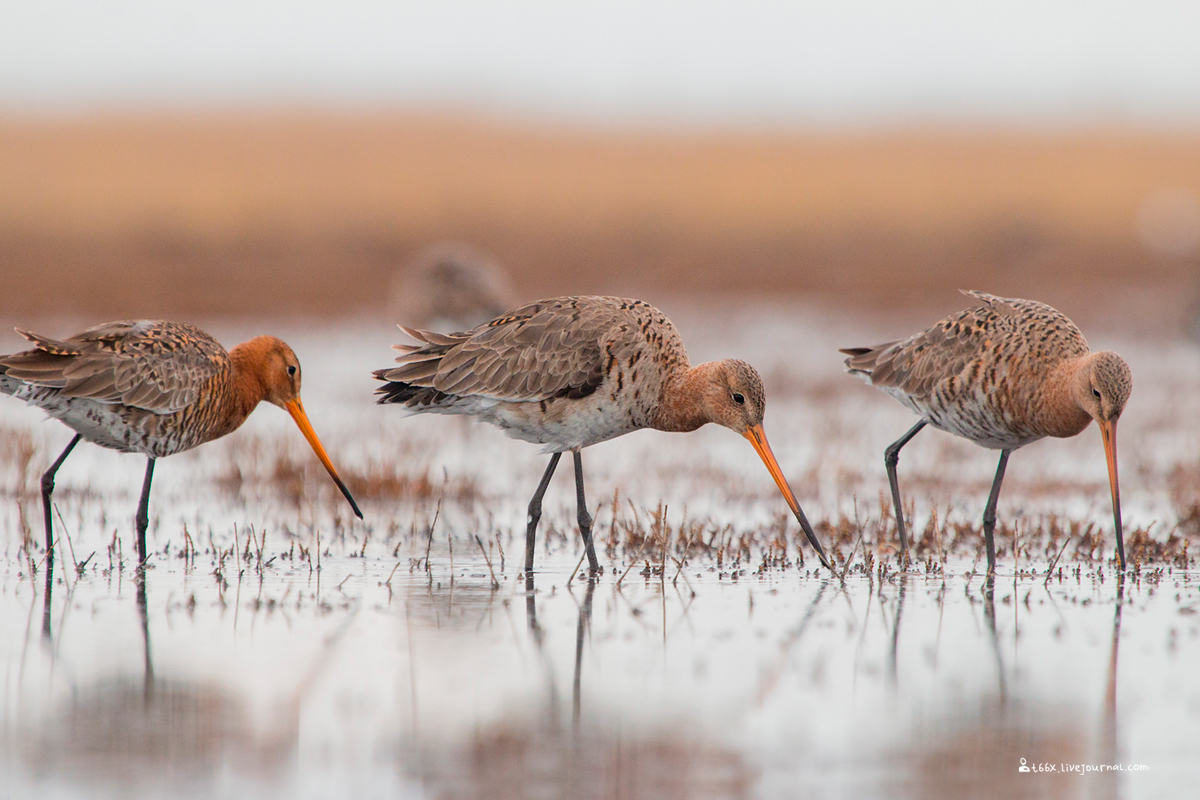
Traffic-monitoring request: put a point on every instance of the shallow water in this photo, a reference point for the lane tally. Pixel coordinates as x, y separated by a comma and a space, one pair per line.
376, 660
338, 683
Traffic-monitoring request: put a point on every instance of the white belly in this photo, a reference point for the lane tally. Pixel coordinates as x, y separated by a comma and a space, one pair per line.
106, 424
562, 424
978, 421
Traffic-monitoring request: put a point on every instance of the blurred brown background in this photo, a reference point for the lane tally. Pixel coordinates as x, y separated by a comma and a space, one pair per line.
198, 214
256, 158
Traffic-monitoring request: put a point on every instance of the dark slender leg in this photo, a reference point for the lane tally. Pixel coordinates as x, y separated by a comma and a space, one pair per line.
47, 490
989, 513
891, 457
535, 512
585, 520
143, 512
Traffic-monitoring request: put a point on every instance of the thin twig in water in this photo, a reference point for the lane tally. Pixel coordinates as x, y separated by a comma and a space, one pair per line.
846, 564
487, 558
67, 533
578, 564
635, 560
662, 562
674, 581
432, 525
686, 547
388, 582
189, 547
1054, 563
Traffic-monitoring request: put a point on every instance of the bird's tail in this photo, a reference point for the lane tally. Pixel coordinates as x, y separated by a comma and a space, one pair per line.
861, 360
416, 398
7, 385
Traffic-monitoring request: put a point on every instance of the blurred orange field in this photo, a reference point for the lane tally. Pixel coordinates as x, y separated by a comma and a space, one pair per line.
308, 214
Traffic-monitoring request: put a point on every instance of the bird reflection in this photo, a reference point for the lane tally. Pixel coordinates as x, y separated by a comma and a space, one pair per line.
521, 758
130, 731
585, 622
539, 640
47, 596
989, 615
975, 752
1107, 784
896, 627
452, 605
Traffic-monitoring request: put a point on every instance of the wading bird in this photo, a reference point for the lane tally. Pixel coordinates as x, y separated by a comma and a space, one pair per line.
1003, 374
570, 372
155, 388
451, 286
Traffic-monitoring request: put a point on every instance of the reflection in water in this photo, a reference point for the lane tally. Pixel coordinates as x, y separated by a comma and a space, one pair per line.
47, 636
452, 605
1107, 784
517, 761
539, 640
758, 705
131, 732
989, 614
139, 730
772, 674
976, 755
154, 731
534, 758
896, 627
585, 622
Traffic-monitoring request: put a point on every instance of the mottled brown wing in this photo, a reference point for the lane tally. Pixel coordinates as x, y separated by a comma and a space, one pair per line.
161, 367
541, 350
917, 364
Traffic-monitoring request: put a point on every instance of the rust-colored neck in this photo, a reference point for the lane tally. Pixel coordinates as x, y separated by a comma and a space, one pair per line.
248, 384
1060, 414
681, 406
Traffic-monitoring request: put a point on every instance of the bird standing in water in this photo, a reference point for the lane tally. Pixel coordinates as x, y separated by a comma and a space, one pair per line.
570, 372
1003, 374
155, 388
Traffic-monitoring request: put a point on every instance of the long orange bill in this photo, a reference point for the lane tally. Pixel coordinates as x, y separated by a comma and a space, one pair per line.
1108, 430
759, 439
297, 411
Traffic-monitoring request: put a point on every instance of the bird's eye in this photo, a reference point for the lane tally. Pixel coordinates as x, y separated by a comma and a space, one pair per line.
738, 398
291, 369
1096, 393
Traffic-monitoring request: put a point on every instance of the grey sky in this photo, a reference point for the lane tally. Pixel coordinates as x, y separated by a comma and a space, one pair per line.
670, 61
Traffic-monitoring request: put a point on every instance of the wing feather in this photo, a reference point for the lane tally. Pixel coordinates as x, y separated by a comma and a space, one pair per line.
918, 364
161, 367
532, 353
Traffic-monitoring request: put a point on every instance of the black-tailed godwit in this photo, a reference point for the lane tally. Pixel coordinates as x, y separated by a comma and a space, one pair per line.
1003, 374
451, 286
570, 372
155, 388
